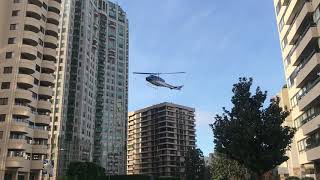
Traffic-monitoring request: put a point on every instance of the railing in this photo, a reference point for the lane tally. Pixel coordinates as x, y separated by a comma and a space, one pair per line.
302, 64
304, 92
296, 14
21, 120
303, 121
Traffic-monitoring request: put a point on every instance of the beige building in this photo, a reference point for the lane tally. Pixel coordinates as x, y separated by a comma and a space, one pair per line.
299, 30
158, 139
28, 42
292, 166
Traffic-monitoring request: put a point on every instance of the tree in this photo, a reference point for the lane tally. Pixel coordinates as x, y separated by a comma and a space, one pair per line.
223, 168
194, 165
84, 171
250, 133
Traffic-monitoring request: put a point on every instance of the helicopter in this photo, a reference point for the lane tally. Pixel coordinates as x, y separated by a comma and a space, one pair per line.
156, 80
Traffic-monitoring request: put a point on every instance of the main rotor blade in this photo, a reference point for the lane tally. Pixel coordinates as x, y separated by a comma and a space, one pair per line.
174, 73
143, 73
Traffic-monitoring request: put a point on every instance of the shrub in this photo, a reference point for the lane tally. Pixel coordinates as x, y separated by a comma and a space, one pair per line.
292, 178
307, 178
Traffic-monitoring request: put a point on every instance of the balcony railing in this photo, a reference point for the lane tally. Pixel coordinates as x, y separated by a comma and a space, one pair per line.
295, 15
306, 89
302, 64
307, 116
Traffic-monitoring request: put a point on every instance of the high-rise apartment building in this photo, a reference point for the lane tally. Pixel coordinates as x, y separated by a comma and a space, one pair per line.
299, 30
91, 94
112, 88
28, 42
159, 138
61, 89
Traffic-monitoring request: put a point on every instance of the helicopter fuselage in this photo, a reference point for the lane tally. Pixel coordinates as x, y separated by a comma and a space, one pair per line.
158, 81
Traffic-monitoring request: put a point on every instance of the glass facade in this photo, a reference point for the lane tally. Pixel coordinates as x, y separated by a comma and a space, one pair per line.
112, 86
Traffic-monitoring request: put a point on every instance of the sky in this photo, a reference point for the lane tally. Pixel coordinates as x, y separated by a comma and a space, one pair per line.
215, 42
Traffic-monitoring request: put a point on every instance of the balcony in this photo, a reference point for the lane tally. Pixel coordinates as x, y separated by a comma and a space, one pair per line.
19, 144
311, 125
54, 16
32, 22
27, 66
48, 66
308, 66
48, 78
44, 105
45, 91
302, 45
112, 37
34, 8
37, 164
50, 42
20, 127
43, 119
310, 95
37, 133
52, 30
293, 10
313, 154
55, 5
17, 162
39, 149
30, 38
24, 94
29, 52
22, 111
304, 17
49, 52
25, 80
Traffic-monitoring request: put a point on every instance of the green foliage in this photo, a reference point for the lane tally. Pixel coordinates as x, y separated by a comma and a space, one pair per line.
85, 171
194, 165
292, 178
307, 178
129, 177
250, 133
224, 168
167, 178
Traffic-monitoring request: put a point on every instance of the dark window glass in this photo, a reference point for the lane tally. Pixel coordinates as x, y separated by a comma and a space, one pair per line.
7, 70
3, 101
5, 85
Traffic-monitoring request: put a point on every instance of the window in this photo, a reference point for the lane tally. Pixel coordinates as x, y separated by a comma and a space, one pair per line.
37, 68
281, 24
15, 13
5, 85
9, 55
278, 8
3, 101
13, 26
35, 81
7, 70
11, 41
39, 55
45, 6
284, 42
40, 42
316, 15
2, 117
1, 134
